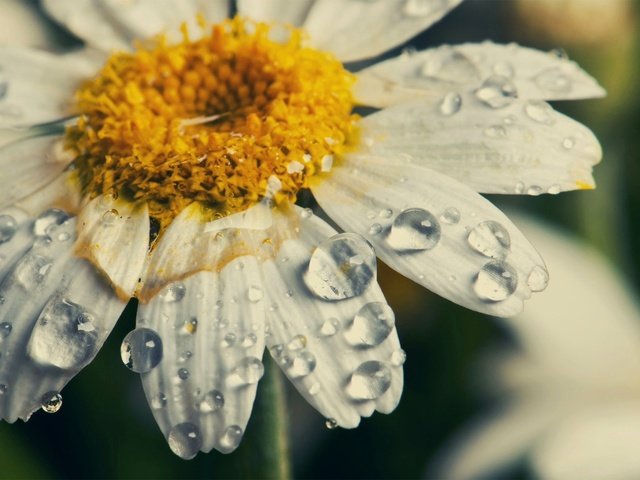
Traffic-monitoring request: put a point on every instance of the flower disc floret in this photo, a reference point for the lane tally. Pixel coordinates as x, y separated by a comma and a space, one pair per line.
212, 120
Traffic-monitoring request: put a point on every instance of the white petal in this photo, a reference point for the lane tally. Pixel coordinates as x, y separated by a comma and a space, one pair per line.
329, 357
356, 30
212, 341
433, 230
59, 310
37, 87
534, 74
63, 192
520, 147
285, 11
29, 164
592, 444
114, 236
22, 24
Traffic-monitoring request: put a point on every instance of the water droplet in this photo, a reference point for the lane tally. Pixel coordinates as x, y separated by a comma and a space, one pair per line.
255, 294
48, 220
375, 229
8, 228
369, 381
534, 190
3, 388
183, 374
185, 440
398, 358
331, 423
503, 69
31, 270
371, 325
249, 340
159, 401
341, 267
306, 213
385, 213
231, 439
110, 216
141, 350
497, 92
191, 326
297, 343
449, 66
495, 131
229, 340
51, 402
330, 327
249, 371
450, 216
554, 80
414, 229
418, 8
173, 292
451, 104
568, 143
315, 388
211, 402
491, 239
301, 364
276, 351
519, 188
5, 330
539, 111
496, 281
538, 279
64, 335
554, 189
559, 53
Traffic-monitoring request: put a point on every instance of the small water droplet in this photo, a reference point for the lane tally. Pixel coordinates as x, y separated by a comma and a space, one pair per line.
495, 131
538, 279
110, 216
554, 80
496, 281
371, 325
306, 213
249, 371
333, 275
231, 439
173, 292
449, 66
185, 440
414, 229
5, 330
3, 388
331, 423
255, 294
31, 270
534, 190
418, 8
330, 327
211, 402
450, 216
297, 343
369, 381
183, 374
519, 188
451, 104
385, 213
159, 401
491, 239
141, 350
249, 340
497, 92
568, 143
375, 229
229, 340
398, 358
48, 220
8, 228
301, 364
539, 111
314, 389
554, 189
51, 402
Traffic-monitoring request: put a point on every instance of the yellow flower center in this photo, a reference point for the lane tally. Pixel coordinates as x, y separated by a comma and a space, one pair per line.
224, 120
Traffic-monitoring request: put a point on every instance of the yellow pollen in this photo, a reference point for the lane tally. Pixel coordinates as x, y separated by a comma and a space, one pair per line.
212, 120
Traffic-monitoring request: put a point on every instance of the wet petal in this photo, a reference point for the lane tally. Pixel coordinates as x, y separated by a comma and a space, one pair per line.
489, 140
536, 75
56, 313
435, 231
342, 355
212, 336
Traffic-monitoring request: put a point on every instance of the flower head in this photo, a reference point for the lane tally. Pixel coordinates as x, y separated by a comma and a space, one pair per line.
174, 174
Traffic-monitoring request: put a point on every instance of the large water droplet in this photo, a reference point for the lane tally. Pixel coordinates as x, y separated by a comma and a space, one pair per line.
49, 220
231, 438
248, 371
538, 278
554, 80
449, 65
31, 270
185, 440
497, 92
301, 364
496, 281
490, 239
51, 402
539, 111
331, 423
414, 229
64, 335
341, 267
8, 228
173, 292
369, 381
451, 104
371, 325
211, 402
141, 350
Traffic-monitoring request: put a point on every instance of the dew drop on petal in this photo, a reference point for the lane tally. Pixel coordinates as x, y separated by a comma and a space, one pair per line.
183, 374
497, 92
31, 270
554, 189
520, 188
51, 402
495, 131
450, 216
3, 388
375, 229
451, 104
255, 294
249, 371
414, 229
539, 111
398, 358
297, 343
8, 228
141, 350
371, 325
229, 340
301, 364
369, 381
329, 327
48, 220
450, 66
538, 279
418, 8
109, 217
231, 438
568, 143
341, 267
158, 401
496, 281
185, 440
173, 292
554, 80
490, 239
534, 190
5, 330
211, 402
315, 388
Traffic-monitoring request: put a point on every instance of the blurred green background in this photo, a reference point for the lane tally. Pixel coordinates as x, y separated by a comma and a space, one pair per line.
105, 428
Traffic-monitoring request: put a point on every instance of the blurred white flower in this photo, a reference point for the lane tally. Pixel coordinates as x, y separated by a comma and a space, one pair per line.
572, 388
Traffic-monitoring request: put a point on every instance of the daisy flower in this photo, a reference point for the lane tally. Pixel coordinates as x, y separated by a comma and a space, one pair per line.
570, 402
168, 169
